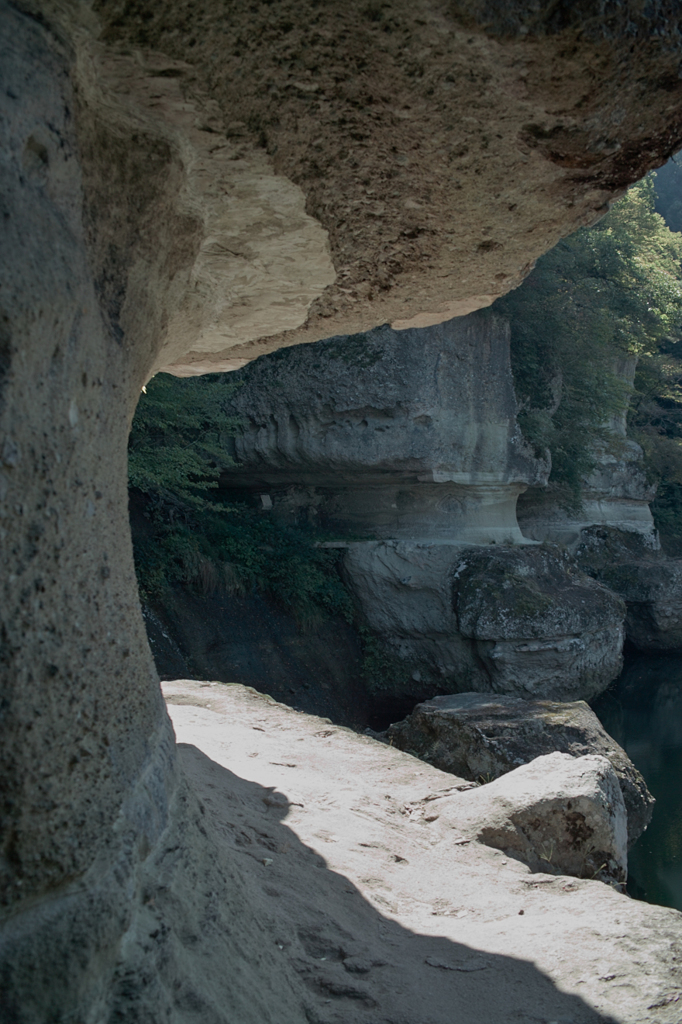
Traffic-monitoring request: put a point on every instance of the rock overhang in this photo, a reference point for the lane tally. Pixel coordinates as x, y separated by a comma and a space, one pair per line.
443, 147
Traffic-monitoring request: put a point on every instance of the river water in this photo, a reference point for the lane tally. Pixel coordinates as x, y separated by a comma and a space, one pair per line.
643, 712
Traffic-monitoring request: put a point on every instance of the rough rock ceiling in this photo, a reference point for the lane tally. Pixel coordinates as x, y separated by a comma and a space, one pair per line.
443, 146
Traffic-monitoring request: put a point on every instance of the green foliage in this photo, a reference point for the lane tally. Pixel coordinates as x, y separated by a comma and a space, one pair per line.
177, 441
381, 668
604, 293
240, 550
177, 450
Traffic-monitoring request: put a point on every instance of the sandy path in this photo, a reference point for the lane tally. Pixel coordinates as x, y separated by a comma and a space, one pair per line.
377, 905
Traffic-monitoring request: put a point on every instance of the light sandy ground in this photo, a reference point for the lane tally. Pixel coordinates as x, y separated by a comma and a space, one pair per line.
379, 907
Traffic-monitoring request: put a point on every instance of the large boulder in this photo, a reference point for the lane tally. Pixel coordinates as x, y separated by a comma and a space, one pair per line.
649, 583
559, 814
540, 626
480, 737
520, 620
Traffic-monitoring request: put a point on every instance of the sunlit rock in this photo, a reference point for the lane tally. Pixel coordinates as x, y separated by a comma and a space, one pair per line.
481, 737
559, 815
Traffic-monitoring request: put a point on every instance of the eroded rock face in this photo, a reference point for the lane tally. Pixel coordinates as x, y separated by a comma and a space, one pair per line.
558, 814
540, 626
522, 621
411, 437
649, 583
615, 496
443, 146
480, 738
400, 435
73, 640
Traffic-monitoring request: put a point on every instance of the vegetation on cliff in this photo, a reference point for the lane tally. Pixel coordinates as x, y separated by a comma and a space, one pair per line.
192, 534
604, 294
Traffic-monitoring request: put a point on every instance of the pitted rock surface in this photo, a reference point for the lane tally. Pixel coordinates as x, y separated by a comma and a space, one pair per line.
443, 146
541, 627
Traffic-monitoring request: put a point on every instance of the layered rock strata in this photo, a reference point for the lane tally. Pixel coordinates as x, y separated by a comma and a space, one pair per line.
615, 496
398, 435
126, 225
480, 738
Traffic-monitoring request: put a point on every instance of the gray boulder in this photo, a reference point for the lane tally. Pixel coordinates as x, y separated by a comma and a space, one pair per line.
540, 626
481, 738
559, 814
649, 583
519, 620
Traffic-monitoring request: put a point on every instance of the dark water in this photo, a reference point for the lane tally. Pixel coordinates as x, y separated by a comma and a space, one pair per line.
643, 712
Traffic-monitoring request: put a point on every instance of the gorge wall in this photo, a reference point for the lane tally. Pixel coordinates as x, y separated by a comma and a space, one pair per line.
404, 446
149, 212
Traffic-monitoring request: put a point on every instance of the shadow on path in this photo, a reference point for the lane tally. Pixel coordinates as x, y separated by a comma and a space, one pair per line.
354, 964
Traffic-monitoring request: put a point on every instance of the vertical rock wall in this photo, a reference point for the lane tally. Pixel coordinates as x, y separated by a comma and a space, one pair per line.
87, 751
407, 435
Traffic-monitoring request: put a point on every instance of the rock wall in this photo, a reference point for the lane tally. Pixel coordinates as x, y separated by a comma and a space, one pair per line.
100, 235
407, 435
613, 537
87, 748
140, 224
648, 581
410, 438
615, 494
